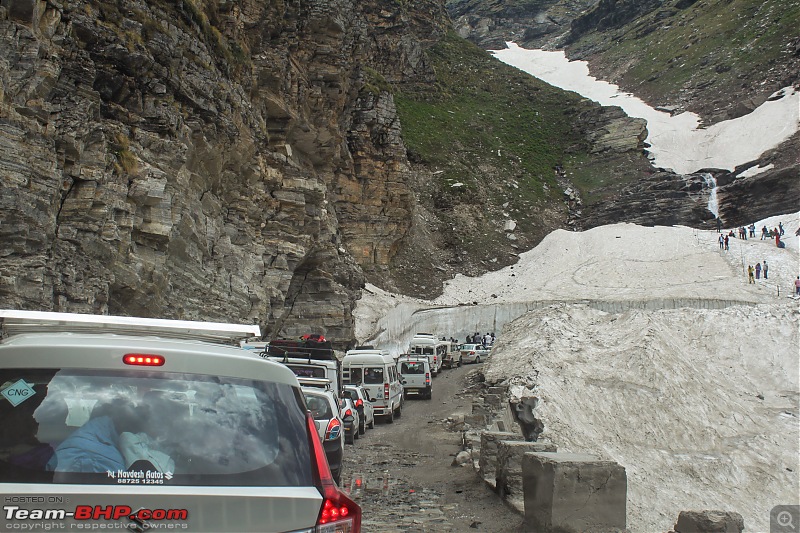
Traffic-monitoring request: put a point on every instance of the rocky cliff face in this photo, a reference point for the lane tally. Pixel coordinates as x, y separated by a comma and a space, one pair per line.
666, 199
203, 160
531, 24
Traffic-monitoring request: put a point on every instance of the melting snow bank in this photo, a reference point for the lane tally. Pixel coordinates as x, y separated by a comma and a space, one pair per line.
700, 406
676, 142
616, 267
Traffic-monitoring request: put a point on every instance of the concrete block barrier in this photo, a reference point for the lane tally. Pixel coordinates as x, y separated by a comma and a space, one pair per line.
487, 463
508, 476
571, 493
709, 522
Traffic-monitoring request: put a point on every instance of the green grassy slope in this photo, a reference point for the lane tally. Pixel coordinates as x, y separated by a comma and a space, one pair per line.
488, 125
489, 137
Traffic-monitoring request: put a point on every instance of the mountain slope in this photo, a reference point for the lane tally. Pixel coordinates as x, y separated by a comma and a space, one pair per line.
497, 154
718, 58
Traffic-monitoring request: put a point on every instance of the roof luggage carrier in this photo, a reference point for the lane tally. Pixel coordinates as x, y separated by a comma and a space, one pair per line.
301, 349
321, 383
417, 356
14, 322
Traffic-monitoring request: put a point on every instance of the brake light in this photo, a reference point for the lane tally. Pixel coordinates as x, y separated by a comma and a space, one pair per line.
359, 402
338, 513
143, 359
427, 378
348, 413
472, 352
334, 429
385, 391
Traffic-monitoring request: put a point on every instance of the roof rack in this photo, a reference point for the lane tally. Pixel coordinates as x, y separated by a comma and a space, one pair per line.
310, 349
322, 383
14, 322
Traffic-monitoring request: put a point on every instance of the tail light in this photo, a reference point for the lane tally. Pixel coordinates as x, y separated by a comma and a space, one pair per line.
472, 352
348, 413
385, 391
333, 430
143, 359
427, 379
359, 403
339, 513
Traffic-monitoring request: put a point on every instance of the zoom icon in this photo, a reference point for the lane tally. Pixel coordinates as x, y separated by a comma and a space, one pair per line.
784, 519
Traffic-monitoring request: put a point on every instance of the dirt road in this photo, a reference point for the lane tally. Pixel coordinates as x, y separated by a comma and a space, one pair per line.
402, 475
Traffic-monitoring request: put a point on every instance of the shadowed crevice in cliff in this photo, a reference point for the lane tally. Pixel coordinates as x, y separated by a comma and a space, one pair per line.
299, 278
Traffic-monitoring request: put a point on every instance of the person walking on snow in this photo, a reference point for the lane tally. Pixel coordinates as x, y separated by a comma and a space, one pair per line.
752, 230
750, 278
758, 270
797, 286
780, 227
765, 269
721, 242
726, 242
764, 233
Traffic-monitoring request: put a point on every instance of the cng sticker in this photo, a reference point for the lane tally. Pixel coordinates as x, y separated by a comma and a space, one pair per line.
18, 392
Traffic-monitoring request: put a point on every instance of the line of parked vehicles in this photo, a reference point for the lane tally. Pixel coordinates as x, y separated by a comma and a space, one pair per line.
345, 394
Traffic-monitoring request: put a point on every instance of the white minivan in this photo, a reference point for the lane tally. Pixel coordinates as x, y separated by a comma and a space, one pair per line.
415, 374
430, 345
377, 372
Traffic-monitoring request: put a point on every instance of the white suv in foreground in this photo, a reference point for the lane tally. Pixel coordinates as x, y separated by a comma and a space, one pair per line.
125, 423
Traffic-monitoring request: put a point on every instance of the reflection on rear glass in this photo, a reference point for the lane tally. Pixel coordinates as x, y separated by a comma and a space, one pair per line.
80, 424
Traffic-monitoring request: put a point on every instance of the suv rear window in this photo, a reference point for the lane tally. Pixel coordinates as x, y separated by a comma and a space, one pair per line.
352, 376
319, 406
412, 368
308, 371
105, 427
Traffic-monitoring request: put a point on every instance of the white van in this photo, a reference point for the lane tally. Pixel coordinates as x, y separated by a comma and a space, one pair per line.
430, 345
377, 372
415, 374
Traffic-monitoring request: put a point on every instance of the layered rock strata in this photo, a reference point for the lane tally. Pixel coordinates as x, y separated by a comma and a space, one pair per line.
203, 160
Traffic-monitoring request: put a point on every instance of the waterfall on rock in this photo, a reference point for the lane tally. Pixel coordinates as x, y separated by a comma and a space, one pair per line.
713, 205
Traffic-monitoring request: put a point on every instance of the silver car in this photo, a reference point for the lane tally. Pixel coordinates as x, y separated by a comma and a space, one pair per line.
363, 403
123, 423
351, 419
324, 408
473, 353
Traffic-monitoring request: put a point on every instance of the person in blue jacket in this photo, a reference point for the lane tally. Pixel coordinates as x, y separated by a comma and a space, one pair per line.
94, 447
